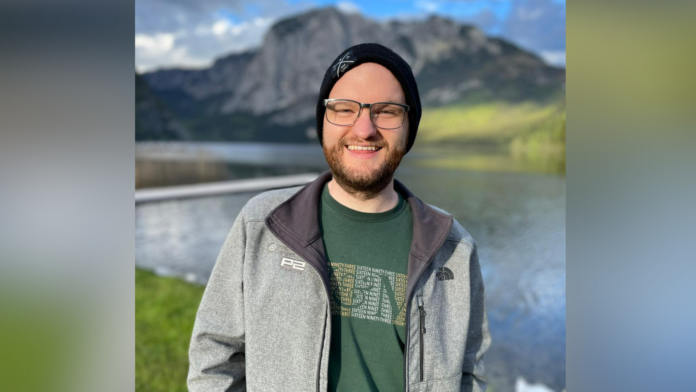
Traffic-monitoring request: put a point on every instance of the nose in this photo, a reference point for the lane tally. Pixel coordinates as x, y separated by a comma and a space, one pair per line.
363, 127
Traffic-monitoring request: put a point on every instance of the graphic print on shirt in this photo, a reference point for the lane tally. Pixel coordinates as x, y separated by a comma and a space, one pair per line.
367, 293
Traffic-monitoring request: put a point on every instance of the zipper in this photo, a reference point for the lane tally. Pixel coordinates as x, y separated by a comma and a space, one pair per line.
421, 342
409, 294
418, 272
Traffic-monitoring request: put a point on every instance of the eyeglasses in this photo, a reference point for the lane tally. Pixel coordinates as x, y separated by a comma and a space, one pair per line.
384, 115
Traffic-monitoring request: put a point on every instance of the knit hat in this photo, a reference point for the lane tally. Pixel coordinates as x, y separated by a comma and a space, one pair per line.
372, 53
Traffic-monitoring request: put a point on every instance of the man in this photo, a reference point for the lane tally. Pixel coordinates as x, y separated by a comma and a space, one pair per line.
350, 283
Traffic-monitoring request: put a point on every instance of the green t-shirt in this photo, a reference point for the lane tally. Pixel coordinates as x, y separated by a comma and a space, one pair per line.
367, 255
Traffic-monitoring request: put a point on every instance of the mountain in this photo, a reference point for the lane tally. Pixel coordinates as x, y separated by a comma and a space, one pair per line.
269, 94
152, 119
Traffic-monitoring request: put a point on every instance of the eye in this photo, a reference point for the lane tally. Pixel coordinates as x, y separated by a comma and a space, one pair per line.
386, 112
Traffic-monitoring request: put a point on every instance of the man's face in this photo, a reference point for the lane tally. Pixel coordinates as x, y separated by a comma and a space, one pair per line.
363, 171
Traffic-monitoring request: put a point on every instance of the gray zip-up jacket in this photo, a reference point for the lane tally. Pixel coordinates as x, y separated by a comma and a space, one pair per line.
264, 323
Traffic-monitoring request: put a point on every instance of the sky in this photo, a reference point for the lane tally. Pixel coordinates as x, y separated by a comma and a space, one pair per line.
193, 33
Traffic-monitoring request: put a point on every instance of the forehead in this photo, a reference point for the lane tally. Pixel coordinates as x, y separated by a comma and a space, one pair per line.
367, 83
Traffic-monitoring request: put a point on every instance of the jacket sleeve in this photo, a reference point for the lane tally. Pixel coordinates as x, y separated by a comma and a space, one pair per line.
478, 339
216, 353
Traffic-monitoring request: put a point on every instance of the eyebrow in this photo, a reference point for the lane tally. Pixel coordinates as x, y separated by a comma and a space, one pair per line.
401, 101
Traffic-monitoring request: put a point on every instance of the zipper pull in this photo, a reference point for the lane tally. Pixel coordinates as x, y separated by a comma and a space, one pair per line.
422, 318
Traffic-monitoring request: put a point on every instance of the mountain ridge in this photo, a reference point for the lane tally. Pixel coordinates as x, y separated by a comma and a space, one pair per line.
269, 93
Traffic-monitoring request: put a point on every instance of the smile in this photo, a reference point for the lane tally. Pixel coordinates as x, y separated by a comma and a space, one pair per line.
363, 148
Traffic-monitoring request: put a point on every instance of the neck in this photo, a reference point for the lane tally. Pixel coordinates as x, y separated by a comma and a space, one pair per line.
385, 200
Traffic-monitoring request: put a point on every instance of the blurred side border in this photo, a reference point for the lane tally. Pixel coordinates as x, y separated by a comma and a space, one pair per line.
67, 160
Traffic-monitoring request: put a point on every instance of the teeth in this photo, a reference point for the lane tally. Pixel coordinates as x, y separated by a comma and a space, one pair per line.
371, 148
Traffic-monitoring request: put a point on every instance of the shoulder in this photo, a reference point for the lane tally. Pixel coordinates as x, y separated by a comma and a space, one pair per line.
259, 206
457, 233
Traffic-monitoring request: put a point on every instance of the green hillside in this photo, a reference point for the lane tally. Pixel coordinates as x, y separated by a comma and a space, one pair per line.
493, 123
496, 136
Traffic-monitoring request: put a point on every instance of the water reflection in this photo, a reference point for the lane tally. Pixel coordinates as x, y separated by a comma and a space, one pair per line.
184, 237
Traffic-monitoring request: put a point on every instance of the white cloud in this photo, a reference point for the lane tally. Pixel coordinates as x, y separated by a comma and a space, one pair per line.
429, 6
557, 58
240, 28
221, 27
159, 51
181, 56
193, 33
348, 7
538, 26
156, 44
530, 14
263, 22
200, 46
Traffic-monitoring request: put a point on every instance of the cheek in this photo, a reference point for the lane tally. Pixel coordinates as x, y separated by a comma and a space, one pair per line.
328, 134
401, 138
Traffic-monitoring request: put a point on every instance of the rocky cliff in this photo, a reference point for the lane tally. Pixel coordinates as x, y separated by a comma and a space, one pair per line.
269, 94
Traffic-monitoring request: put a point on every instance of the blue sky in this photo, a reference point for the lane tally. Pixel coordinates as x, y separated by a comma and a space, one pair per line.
187, 33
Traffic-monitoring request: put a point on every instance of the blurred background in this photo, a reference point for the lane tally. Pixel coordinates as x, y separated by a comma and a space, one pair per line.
225, 91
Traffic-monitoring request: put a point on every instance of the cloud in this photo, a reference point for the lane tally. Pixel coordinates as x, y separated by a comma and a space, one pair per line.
348, 7
486, 20
530, 13
428, 6
557, 58
192, 34
200, 46
537, 25
154, 45
161, 49
221, 27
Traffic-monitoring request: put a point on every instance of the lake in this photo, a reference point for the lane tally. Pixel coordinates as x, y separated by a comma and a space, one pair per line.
514, 208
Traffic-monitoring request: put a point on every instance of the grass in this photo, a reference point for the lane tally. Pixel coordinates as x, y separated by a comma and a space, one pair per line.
494, 123
165, 309
546, 138
497, 136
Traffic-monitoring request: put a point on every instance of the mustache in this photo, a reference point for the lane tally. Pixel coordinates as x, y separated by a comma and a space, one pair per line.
376, 143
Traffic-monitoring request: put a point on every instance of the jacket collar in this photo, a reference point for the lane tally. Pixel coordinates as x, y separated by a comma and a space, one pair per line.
296, 223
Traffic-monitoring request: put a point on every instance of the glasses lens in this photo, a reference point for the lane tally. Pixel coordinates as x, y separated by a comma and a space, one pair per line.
342, 112
387, 116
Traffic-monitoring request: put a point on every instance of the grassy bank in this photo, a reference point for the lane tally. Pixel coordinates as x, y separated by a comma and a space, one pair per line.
165, 309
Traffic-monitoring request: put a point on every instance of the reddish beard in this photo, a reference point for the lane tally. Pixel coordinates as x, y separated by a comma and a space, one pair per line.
363, 185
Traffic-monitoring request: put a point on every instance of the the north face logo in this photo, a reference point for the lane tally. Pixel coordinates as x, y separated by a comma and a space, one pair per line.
292, 265
444, 273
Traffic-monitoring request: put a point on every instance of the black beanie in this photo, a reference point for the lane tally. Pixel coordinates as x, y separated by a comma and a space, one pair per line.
372, 53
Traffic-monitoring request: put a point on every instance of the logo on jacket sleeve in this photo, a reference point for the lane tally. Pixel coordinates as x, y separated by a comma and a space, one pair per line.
292, 265
444, 273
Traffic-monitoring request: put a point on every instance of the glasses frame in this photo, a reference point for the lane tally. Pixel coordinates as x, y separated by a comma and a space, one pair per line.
365, 105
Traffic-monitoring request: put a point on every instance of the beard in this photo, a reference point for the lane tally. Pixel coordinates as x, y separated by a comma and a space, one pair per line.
363, 184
